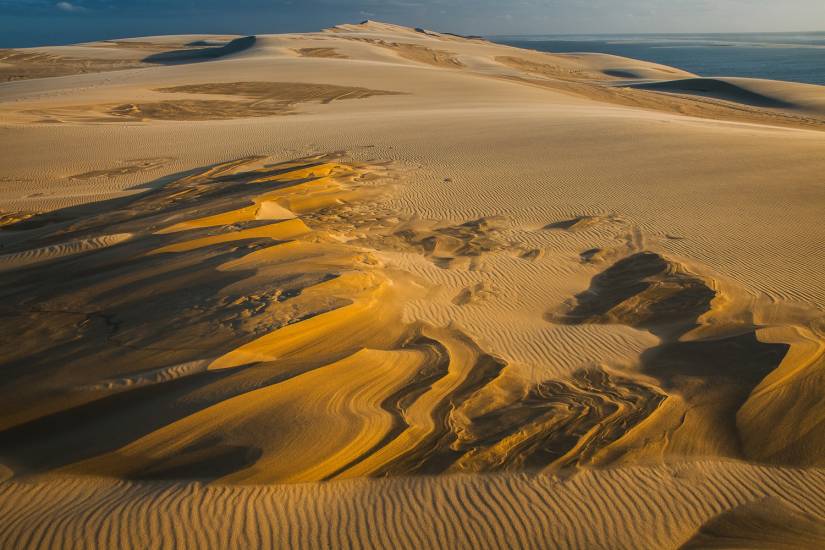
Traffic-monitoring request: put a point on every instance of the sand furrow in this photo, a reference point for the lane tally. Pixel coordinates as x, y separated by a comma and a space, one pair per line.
30, 257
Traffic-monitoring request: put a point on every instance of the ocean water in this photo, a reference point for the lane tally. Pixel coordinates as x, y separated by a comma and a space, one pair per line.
797, 57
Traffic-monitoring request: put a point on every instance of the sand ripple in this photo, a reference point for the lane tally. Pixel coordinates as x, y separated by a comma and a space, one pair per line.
658, 507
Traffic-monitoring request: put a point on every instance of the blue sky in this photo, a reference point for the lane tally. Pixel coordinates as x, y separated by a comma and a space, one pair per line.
31, 22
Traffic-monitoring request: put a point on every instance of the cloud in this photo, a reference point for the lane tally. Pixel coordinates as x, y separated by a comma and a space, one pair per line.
69, 7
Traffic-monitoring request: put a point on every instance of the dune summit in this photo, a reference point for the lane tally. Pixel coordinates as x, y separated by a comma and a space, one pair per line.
385, 287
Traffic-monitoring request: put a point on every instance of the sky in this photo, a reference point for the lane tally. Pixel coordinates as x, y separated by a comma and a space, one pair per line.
38, 22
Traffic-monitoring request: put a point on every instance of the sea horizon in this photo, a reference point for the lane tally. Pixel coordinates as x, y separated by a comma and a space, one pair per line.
787, 56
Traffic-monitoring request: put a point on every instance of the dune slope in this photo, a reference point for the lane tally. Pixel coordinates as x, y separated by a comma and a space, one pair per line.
804, 98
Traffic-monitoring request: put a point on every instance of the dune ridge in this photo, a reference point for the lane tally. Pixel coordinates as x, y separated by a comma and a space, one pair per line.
761, 93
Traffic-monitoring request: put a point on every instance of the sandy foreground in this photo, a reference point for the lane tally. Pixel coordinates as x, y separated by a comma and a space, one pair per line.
383, 287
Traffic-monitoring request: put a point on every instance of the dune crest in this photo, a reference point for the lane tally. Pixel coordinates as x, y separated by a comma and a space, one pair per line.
805, 98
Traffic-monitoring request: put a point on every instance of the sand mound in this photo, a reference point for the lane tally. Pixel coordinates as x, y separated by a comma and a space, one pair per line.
370, 26
417, 53
768, 523
710, 363
805, 98
588, 67
196, 53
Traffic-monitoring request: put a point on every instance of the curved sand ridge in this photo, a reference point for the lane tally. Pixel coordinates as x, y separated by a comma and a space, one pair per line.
286, 323
264, 310
804, 98
261, 263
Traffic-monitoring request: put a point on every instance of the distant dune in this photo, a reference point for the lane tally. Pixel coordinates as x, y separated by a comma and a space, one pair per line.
201, 50
113, 55
805, 98
386, 287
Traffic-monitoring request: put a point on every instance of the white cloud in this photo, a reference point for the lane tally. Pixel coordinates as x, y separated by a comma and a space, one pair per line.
69, 7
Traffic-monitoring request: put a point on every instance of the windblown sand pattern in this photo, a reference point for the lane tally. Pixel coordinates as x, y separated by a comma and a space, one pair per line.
330, 53
419, 53
21, 65
632, 507
132, 166
251, 316
264, 99
67, 248
249, 264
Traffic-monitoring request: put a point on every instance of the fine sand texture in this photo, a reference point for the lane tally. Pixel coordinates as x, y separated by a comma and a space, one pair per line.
384, 287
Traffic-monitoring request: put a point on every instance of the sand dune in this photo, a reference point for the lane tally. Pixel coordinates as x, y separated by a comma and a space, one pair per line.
409, 422
201, 51
588, 66
806, 98
111, 55
388, 287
